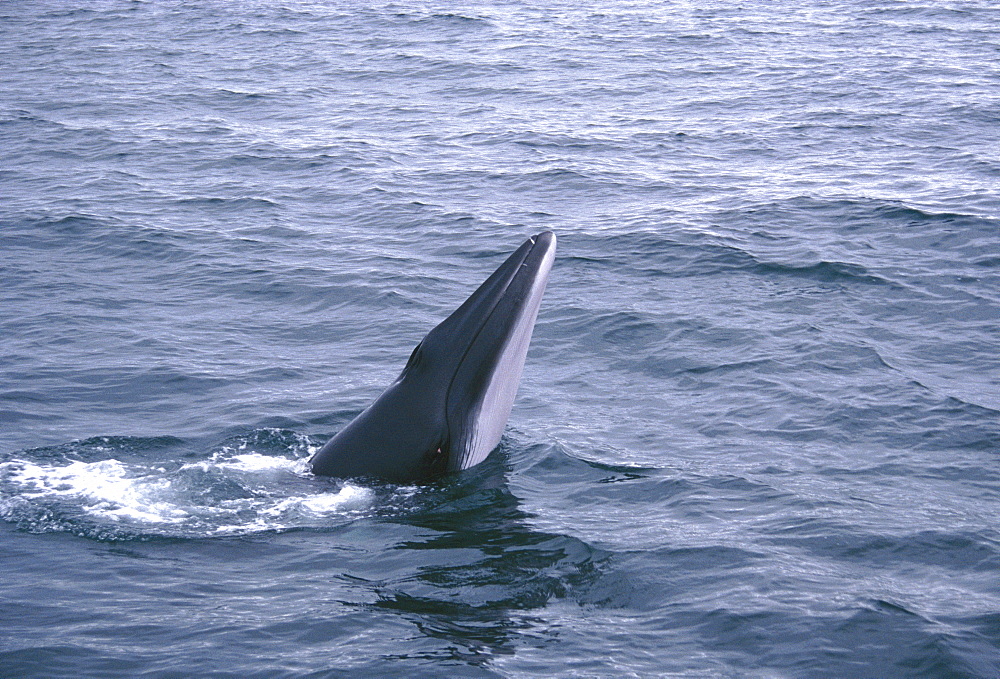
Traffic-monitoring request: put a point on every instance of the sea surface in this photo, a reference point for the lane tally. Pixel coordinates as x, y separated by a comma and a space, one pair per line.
758, 432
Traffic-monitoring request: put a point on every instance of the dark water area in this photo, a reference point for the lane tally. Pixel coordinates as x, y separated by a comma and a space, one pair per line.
758, 432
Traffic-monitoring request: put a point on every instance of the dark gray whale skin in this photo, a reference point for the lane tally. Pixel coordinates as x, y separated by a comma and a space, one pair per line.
447, 410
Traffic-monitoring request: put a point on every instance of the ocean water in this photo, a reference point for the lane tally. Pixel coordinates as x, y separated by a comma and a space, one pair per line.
758, 432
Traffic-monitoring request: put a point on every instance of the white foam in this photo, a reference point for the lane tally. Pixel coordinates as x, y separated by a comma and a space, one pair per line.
249, 462
292, 512
257, 462
110, 490
103, 488
324, 503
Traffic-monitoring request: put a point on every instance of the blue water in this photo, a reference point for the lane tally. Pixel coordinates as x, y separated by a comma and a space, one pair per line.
758, 432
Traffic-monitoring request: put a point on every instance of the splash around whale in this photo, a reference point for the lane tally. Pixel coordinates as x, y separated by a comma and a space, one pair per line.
447, 410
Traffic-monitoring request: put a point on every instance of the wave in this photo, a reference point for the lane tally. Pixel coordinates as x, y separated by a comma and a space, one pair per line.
124, 488
843, 242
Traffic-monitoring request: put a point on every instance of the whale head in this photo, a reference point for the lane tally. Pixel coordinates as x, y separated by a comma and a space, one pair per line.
447, 409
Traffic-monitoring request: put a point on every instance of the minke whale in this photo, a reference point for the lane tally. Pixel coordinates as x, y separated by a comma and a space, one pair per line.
447, 410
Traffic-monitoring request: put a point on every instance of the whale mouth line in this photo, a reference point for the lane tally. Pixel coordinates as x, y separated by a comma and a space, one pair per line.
486, 319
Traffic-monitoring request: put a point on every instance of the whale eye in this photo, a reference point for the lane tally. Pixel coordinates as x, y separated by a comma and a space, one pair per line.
436, 459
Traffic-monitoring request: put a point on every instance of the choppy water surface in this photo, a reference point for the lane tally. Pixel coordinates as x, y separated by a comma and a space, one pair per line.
758, 433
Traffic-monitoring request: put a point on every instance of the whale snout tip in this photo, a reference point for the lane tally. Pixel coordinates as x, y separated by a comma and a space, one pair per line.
544, 238
546, 241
